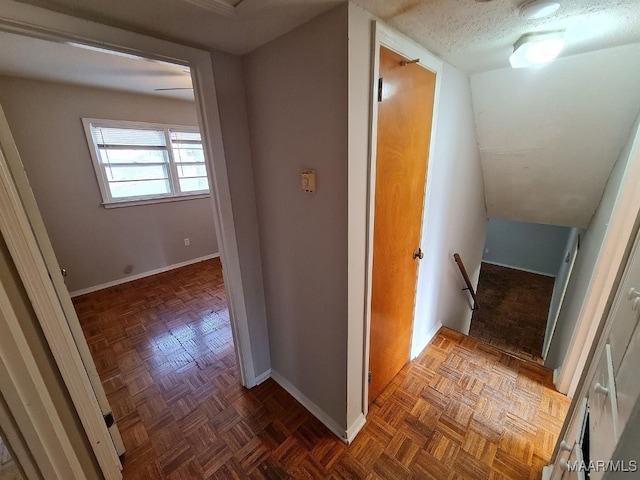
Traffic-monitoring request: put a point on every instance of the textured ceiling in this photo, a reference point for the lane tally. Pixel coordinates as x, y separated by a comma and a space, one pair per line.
549, 137
479, 36
474, 36
59, 62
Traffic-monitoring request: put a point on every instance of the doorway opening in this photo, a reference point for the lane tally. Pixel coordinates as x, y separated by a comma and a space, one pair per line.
172, 324
523, 278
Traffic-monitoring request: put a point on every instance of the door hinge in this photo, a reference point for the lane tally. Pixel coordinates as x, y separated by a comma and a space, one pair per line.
380, 89
369, 376
108, 419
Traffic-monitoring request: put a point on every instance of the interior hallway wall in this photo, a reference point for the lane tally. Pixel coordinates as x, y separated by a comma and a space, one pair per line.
296, 89
455, 215
590, 244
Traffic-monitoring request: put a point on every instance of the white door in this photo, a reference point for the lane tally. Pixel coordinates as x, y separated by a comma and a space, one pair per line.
30, 207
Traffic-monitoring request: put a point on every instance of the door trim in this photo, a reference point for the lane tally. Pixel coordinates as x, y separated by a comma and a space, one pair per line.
23, 247
387, 37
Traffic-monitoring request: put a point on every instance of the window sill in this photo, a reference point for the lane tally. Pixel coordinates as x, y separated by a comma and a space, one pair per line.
149, 201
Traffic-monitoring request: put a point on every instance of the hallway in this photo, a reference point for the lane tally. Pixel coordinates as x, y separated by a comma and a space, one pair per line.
163, 349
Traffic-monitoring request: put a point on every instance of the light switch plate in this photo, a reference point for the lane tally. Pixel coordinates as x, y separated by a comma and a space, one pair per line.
308, 180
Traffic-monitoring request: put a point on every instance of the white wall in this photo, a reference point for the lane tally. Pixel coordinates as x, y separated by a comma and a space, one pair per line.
455, 215
526, 246
590, 245
296, 88
95, 244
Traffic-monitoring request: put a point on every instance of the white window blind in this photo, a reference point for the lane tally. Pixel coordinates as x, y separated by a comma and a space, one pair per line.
139, 162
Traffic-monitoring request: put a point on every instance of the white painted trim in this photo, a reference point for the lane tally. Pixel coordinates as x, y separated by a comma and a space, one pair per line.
28, 20
619, 234
419, 347
29, 402
314, 409
263, 377
546, 472
556, 375
26, 254
386, 36
103, 182
553, 322
355, 428
102, 286
544, 274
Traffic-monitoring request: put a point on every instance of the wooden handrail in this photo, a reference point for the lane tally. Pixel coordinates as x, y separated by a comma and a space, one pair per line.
463, 271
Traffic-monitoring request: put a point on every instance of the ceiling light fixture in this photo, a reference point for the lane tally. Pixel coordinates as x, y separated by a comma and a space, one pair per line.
533, 9
536, 49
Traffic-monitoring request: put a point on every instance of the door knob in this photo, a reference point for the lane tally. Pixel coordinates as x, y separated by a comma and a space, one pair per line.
600, 389
418, 254
633, 293
63, 271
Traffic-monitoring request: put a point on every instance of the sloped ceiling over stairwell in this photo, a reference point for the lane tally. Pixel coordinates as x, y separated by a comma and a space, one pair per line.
549, 137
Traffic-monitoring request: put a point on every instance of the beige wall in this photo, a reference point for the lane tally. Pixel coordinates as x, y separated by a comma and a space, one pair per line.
297, 102
95, 244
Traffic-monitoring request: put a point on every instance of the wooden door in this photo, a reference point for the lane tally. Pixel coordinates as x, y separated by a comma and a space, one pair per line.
405, 112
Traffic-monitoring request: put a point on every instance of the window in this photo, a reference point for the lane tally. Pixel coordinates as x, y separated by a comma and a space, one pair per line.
145, 162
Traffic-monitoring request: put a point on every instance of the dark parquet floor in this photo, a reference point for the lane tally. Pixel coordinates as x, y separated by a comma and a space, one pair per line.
514, 310
163, 349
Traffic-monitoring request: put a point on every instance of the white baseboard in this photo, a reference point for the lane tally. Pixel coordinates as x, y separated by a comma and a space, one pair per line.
355, 427
314, 409
556, 376
422, 344
263, 377
546, 472
95, 288
521, 269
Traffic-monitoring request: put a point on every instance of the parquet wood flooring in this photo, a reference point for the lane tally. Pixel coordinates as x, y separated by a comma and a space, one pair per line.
461, 410
514, 310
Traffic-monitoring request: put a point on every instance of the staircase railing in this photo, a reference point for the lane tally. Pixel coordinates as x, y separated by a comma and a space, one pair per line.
463, 271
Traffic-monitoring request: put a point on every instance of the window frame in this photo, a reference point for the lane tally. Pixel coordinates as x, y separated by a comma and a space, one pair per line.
108, 201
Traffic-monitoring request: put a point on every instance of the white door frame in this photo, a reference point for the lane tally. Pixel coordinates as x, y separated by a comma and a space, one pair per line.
389, 38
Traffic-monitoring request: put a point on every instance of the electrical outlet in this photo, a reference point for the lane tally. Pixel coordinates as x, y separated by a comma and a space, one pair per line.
187, 242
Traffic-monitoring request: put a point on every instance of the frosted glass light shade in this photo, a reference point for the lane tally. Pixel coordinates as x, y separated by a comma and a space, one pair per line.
536, 49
